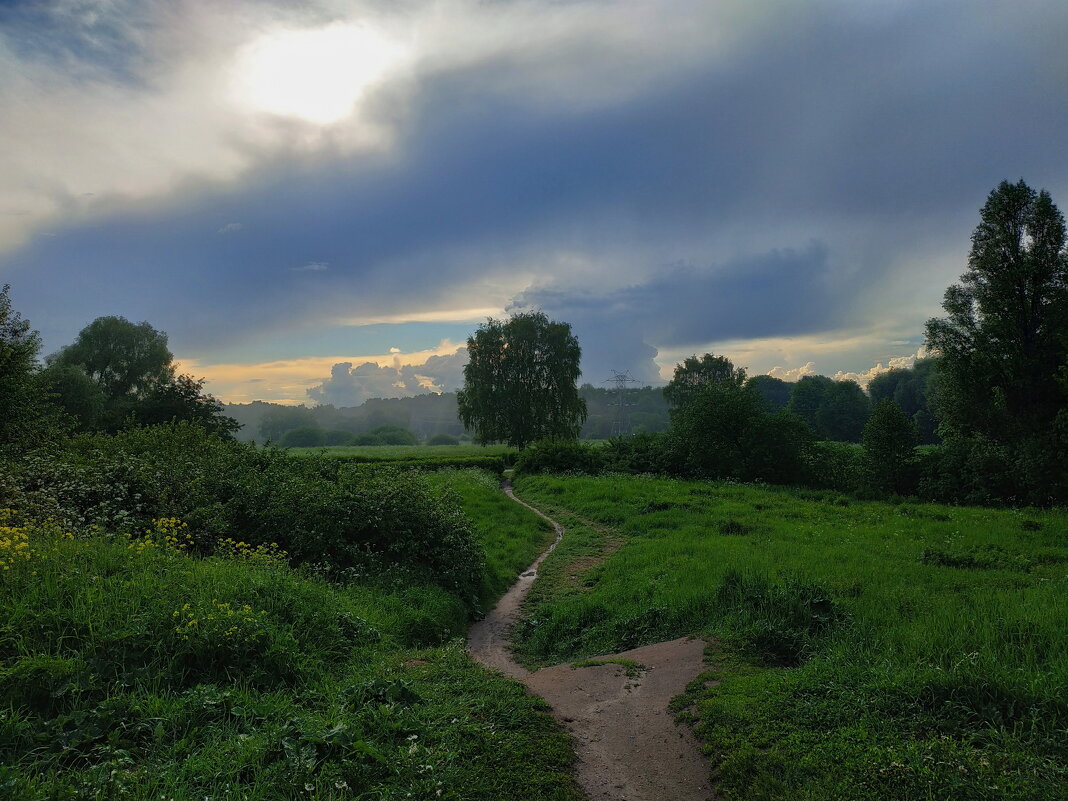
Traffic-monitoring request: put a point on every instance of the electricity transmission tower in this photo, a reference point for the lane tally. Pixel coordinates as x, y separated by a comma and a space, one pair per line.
621, 425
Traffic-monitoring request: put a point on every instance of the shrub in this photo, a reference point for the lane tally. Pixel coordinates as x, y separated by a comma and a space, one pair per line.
558, 456
443, 439
317, 509
834, 465
889, 441
303, 437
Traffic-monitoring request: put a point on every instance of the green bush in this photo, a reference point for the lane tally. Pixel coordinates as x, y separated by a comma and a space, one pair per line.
835, 466
443, 439
559, 456
303, 437
318, 509
889, 449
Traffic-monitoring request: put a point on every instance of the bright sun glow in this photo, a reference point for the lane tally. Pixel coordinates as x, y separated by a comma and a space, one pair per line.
317, 75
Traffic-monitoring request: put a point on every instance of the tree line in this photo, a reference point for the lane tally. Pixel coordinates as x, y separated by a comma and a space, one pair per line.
995, 391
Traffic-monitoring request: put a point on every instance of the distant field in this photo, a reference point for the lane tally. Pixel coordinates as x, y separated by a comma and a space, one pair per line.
407, 452
865, 650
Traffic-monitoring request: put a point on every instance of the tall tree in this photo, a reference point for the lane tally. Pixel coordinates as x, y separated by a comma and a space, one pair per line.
694, 374
21, 407
774, 391
125, 359
1005, 335
909, 388
520, 384
134, 376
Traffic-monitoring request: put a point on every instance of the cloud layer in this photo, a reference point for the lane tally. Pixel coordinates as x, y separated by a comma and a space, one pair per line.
667, 175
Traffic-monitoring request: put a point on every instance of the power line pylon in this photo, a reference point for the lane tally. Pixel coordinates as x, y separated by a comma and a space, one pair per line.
621, 425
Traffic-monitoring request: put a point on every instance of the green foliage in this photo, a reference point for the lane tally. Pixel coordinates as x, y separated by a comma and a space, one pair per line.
559, 456
443, 439
126, 360
118, 374
725, 431
693, 374
836, 410
774, 391
303, 437
520, 381
24, 418
926, 642
142, 673
889, 449
183, 398
345, 518
394, 435
1003, 346
1006, 333
910, 388
835, 465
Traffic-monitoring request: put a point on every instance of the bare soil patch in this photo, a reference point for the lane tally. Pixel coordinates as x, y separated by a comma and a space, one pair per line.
627, 742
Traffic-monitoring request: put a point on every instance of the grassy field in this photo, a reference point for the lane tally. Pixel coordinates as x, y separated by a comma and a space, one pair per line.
863, 650
131, 669
408, 452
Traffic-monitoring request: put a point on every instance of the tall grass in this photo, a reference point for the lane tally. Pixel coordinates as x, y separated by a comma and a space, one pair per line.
868, 650
132, 669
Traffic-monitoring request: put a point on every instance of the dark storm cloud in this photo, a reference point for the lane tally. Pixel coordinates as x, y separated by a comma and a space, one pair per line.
781, 293
826, 125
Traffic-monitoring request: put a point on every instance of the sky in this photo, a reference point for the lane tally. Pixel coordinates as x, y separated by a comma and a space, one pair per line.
320, 201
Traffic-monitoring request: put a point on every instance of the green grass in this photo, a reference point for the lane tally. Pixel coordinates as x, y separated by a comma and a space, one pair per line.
511, 535
865, 650
129, 672
407, 452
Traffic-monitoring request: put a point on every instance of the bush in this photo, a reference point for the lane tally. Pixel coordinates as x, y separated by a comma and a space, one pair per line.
443, 439
395, 435
319, 510
303, 437
558, 456
889, 449
835, 466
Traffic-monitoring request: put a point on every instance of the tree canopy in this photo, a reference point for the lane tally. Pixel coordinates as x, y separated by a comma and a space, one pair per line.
117, 372
693, 374
1005, 336
836, 410
520, 384
21, 405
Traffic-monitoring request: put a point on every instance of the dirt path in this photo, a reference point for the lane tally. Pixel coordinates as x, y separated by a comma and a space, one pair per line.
628, 746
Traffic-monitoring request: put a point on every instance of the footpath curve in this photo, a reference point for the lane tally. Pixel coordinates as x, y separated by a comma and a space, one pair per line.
627, 743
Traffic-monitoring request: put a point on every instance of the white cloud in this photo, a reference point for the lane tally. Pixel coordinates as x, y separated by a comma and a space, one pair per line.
311, 267
793, 373
230, 228
438, 369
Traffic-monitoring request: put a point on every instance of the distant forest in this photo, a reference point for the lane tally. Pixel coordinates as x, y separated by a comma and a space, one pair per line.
836, 410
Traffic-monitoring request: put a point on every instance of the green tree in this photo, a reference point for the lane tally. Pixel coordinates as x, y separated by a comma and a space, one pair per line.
910, 389
134, 376
843, 412
1005, 335
807, 396
125, 359
693, 374
774, 391
726, 431
889, 447
25, 415
183, 398
520, 381
75, 393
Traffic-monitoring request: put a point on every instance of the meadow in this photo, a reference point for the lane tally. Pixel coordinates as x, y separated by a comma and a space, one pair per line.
860, 650
135, 666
